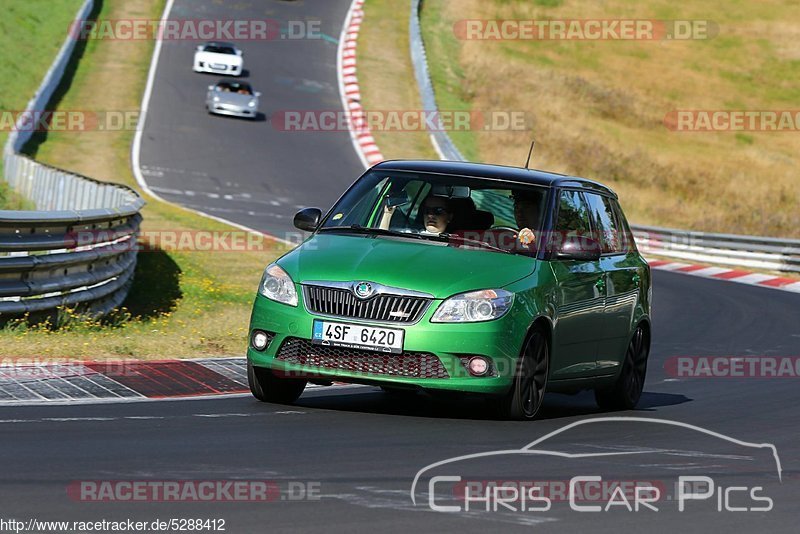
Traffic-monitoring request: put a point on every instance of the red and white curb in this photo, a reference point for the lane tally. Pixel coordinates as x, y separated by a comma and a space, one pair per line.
729, 275
362, 138
122, 380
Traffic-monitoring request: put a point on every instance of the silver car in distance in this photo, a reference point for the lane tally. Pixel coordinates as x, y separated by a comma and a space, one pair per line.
232, 98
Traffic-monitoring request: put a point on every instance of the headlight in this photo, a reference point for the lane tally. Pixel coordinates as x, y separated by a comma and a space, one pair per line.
252, 104
473, 307
216, 99
278, 286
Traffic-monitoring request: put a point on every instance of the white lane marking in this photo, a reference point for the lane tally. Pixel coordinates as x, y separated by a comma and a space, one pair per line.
71, 419
146, 417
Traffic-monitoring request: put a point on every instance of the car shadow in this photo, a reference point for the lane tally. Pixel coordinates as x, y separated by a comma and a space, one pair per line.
411, 404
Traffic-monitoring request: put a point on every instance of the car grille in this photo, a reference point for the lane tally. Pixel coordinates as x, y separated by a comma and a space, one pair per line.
408, 364
340, 302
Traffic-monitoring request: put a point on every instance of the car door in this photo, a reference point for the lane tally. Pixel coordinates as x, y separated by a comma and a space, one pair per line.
623, 281
579, 297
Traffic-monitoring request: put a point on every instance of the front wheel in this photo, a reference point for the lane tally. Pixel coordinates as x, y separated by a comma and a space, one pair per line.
267, 387
627, 390
530, 381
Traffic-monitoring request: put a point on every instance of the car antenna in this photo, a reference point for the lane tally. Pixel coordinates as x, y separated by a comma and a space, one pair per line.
529, 154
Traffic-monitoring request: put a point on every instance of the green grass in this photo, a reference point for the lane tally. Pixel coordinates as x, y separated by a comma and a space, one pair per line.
452, 86
31, 33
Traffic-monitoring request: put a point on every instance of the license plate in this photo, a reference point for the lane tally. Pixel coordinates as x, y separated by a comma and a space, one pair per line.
219, 66
356, 336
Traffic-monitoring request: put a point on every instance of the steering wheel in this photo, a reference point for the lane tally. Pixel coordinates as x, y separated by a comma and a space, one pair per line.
500, 227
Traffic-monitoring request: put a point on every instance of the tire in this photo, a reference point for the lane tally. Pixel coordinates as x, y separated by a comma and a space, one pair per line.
267, 387
627, 390
524, 400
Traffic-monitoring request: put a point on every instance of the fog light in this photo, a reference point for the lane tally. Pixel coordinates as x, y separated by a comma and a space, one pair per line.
260, 340
478, 366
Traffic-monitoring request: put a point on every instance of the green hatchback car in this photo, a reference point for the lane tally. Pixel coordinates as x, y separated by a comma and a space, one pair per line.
460, 277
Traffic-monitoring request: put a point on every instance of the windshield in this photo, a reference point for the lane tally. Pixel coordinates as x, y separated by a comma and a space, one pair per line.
466, 212
220, 49
234, 87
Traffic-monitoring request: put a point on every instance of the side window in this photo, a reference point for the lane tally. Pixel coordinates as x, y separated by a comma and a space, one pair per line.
626, 236
603, 215
572, 222
573, 214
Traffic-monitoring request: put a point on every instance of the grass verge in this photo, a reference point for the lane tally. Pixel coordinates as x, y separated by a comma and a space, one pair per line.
182, 304
31, 33
383, 54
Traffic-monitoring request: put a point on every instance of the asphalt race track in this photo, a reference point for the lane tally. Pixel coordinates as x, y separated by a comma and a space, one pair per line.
252, 173
357, 449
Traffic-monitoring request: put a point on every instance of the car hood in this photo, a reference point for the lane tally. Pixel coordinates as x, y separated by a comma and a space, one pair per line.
433, 268
215, 57
234, 99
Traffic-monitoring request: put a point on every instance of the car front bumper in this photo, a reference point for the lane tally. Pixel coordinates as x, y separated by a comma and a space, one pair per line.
228, 70
246, 113
434, 357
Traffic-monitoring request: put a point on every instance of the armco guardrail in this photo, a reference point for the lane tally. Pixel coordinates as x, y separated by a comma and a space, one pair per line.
727, 249
747, 251
78, 247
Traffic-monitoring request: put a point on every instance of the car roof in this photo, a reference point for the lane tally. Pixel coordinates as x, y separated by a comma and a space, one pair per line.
495, 172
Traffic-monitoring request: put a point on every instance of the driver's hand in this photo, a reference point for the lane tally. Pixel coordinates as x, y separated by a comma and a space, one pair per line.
526, 236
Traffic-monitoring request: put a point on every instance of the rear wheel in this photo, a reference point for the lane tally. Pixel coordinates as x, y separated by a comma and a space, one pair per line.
267, 387
627, 390
530, 380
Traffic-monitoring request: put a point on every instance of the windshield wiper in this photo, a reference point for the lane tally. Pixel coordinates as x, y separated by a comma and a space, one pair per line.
473, 242
358, 229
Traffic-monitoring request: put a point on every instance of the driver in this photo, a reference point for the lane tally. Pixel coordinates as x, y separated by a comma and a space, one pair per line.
436, 214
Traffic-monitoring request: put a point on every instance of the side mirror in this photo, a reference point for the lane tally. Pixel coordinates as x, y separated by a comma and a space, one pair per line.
239, 53
578, 249
307, 219
258, 94
199, 48
210, 87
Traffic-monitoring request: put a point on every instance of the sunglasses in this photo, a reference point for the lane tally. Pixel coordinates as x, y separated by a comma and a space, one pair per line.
436, 211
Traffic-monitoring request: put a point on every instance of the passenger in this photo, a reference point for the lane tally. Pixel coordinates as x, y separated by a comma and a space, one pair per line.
527, 212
